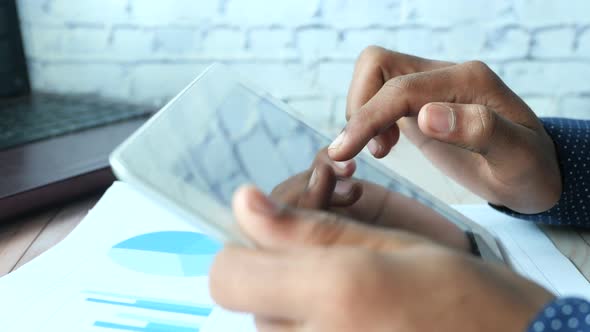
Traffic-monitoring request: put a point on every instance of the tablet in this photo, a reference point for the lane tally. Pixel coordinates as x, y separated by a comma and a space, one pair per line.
221, 132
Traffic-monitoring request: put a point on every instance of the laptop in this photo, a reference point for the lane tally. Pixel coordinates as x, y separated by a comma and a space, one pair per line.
53, 147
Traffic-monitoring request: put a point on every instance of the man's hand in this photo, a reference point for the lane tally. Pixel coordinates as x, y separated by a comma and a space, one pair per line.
325, 184
462, 117
329, 186
316, 271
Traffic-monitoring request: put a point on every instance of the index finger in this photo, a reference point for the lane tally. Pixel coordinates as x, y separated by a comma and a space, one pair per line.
377, 65
404, 96
342, 169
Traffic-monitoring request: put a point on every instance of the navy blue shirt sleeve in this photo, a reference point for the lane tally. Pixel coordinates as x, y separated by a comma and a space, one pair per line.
566, 314
572, 144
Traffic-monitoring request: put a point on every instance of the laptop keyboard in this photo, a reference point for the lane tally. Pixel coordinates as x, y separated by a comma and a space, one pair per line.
41, 116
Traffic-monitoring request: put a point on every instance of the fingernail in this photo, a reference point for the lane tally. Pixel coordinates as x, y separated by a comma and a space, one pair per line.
374, 146
343, 188
263, 205
313, 179
343, 165
440, 118
338, 141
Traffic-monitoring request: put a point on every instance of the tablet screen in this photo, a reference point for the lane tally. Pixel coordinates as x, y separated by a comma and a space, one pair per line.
221, 133
249, 139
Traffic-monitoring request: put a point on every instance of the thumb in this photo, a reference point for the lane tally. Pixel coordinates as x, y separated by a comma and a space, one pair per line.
472, 127
274, 226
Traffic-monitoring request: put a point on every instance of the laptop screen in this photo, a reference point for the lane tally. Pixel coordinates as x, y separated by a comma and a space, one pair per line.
13, 67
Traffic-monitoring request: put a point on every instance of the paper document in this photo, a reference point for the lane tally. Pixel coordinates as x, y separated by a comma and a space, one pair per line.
131, 265
530, 251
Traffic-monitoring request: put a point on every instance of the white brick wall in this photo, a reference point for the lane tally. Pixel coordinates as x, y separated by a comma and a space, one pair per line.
303, 50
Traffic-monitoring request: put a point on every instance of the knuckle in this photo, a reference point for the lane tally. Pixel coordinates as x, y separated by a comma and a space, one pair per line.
347, 114
321, 158
478, 68
327, 231
372, 54
479, 72
279, 191
287, 192
326, 172
404, 87
400, 84
486, 124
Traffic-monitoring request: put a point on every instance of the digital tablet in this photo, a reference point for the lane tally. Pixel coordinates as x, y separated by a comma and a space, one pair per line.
221, 132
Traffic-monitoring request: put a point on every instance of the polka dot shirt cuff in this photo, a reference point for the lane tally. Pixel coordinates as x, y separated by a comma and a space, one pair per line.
563, 315
572, 144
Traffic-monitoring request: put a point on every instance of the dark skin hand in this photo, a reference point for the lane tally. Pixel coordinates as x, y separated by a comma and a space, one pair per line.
318, 271
320, 263
462, 117
330, 186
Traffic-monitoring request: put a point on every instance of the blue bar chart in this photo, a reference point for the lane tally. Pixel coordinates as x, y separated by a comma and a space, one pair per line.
150, 327
147, 314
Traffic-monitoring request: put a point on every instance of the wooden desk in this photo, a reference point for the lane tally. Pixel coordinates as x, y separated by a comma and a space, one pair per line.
30, 236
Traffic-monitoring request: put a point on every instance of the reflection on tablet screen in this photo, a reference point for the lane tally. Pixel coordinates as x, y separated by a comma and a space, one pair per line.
251, 140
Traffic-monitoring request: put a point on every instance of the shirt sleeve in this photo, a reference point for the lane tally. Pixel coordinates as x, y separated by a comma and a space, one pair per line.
566, 314
572, 144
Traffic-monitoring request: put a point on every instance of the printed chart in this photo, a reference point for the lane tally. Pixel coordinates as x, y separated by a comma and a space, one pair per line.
165, 253
170, 253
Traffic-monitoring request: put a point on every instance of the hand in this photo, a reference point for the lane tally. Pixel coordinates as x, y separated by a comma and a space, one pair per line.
326, 184
316, 271
462, 117
329, 186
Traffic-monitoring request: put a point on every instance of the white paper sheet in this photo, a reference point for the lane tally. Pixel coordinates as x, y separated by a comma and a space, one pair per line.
125, 268
530, 251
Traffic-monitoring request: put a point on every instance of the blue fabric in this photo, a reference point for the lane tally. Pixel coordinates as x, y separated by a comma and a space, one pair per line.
572, 144
563, 315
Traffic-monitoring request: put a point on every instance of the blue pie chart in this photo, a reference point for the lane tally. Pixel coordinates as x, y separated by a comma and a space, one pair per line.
170, 253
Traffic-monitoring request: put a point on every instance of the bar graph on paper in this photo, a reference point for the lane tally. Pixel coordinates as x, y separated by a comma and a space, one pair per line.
170, 253
147, 314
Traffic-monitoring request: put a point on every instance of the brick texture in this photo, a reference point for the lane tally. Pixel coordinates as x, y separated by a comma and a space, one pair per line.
303, 51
